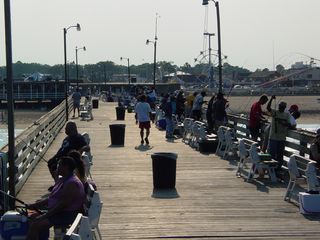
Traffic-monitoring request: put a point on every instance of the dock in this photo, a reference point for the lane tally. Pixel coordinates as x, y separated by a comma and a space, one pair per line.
209, 201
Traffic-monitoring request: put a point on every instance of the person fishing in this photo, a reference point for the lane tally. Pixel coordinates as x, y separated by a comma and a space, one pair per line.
256, 117
280, 124
64, 202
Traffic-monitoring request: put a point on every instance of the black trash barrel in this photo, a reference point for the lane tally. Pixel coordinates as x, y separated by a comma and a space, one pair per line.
117, 133
120, 113
95, 103
164, 169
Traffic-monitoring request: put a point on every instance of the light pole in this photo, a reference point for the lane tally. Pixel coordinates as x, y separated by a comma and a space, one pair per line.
210, 64
66, 87
154, 59
11, 145
77, 70
122, 58
154, 52
216, 3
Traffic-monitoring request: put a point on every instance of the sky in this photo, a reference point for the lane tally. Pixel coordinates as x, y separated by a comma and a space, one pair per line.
254, 33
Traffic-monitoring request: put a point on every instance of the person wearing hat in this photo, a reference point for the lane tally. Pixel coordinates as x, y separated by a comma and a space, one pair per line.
315, 148
280, 124
294, 114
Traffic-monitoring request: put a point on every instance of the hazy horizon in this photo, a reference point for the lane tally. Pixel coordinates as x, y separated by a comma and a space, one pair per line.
254, 34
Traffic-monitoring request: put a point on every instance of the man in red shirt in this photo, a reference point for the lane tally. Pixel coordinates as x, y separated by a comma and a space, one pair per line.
256, 117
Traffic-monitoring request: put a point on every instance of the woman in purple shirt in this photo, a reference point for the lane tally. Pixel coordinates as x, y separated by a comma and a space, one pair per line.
64, 202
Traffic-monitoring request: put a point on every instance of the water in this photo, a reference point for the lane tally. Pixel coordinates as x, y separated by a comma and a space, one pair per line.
4, 136
309, 127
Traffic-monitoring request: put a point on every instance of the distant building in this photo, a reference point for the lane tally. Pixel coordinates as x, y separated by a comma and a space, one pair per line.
307, 76
123, 78
184, 78
259, 77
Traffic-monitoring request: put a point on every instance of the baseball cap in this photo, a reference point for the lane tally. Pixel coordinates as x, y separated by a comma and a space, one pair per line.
294, 108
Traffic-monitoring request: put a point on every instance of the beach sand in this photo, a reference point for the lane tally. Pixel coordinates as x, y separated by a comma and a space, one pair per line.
24, 118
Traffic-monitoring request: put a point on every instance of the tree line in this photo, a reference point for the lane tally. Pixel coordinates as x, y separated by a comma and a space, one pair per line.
104, 70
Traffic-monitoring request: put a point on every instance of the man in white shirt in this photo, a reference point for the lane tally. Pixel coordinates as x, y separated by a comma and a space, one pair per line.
143, 111
197, 106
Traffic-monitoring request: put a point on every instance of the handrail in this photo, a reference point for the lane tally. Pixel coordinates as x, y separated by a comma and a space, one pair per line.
34, 141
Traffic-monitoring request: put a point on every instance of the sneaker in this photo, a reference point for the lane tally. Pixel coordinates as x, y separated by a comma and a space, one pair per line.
147, 141
142, 142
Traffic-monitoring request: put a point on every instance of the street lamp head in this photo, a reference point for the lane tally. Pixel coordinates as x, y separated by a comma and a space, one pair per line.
121, 58
205, 2
78, 27
84, 48
147, 42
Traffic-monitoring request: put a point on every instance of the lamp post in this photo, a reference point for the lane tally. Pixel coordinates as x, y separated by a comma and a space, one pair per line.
154, 51
154, 59
122, 58
205, 2
77, 67
210, 64
66, 87
11, 145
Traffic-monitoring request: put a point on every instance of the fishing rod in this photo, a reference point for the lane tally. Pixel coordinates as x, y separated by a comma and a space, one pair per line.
19, 201
14, 198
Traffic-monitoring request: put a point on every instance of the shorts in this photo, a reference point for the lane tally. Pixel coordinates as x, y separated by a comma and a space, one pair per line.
76, 105
144, 125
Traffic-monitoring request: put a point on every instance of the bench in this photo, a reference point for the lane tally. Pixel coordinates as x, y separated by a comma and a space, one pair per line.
301, 170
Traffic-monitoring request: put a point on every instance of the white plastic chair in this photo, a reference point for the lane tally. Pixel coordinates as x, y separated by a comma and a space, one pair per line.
204, 134
195, 134
187, 124
243, 156
222, 141
94, 213
87, 156
80, 229
312, 178
231, 145
294, 177
270, 166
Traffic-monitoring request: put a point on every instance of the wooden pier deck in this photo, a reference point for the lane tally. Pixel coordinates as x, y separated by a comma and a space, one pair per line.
210, 202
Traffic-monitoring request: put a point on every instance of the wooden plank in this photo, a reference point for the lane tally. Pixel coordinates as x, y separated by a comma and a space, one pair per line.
212, 202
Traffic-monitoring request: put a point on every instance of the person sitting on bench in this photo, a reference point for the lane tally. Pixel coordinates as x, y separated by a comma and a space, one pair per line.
64, 202
73, 141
